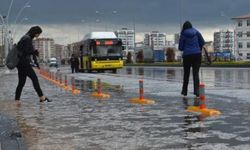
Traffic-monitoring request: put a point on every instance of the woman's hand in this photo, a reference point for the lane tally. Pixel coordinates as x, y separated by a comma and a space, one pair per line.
36, 52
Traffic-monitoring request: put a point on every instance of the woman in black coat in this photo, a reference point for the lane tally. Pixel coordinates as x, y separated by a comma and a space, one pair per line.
24, 66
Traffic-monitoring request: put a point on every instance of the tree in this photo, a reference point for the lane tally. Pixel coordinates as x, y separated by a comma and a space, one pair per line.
170, 54
140, 56
129, 57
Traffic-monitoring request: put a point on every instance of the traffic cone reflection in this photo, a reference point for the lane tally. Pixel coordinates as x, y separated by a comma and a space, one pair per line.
99, 93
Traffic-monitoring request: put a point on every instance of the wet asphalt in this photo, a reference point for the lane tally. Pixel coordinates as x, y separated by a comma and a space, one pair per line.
84, 122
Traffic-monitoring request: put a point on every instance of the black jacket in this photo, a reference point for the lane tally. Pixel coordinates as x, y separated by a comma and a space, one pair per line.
25, 46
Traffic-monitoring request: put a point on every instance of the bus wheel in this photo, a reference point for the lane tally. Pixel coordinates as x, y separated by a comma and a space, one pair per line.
114, 71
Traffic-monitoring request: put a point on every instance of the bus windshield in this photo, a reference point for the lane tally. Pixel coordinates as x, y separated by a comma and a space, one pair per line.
107, 50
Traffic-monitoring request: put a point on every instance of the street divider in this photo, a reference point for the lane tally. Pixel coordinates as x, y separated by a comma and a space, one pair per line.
141, 100
56, 78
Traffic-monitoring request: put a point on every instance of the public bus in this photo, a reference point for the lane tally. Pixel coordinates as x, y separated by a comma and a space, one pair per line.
100, 51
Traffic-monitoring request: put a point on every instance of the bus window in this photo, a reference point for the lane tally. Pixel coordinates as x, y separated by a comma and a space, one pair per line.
108, 50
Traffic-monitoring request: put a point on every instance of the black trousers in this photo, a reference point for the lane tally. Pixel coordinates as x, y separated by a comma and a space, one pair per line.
73, 69
23, 73
193, 61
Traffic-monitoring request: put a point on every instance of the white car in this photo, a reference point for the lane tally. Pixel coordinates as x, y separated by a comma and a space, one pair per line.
53, 62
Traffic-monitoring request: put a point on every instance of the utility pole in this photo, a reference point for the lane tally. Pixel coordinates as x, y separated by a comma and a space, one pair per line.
5, 35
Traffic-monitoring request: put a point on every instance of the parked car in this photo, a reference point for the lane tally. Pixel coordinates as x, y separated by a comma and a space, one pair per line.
53, 62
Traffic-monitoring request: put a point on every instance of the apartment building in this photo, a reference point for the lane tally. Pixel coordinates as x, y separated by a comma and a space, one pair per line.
46, 48
155, 40
128, 38
242, 37
224, 41
61, 51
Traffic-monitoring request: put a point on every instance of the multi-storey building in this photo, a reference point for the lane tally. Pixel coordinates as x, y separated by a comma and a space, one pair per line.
46, 48
128, 38
176, 38
74, 48
155, 40
61, 51
224, 41
242, 37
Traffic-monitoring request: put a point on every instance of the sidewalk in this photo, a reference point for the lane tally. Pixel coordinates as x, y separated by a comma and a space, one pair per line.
10, 136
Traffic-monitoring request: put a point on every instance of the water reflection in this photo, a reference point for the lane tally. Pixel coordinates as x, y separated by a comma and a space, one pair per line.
193, 126
129, 71
141, 71
237, 78
171, 73
27, 129
91, 86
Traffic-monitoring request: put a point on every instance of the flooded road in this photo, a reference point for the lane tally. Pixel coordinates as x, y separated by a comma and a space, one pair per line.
82, 122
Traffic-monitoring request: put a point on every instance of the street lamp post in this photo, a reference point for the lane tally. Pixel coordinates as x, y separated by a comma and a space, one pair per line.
26, 5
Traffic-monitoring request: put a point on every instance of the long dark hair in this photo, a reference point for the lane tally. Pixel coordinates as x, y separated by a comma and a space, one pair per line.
33, 31
186, 25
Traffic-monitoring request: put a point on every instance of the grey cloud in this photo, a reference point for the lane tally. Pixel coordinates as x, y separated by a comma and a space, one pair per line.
147, 12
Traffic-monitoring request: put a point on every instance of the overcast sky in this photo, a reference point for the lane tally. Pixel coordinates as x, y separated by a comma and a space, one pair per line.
68, 20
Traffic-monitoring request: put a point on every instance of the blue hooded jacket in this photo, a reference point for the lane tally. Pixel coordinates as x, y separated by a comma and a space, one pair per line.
191, 42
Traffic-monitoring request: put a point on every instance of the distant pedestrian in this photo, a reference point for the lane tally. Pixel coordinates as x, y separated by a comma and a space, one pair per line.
24, 66
191, 43
77, 64
74, 64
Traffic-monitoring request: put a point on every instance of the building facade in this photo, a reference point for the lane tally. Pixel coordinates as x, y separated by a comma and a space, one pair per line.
242, 37
46, 48
128, 38
224, 41
176, 38
155, 40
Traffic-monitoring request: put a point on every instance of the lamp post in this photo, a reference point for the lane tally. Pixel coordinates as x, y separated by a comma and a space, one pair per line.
2, 54
26, 5
181, 10
3, 26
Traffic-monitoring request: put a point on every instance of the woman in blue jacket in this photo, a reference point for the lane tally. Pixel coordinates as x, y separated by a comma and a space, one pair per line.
191, 43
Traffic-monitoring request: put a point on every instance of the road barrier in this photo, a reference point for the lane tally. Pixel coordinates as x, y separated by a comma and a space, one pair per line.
202, 107
141, 100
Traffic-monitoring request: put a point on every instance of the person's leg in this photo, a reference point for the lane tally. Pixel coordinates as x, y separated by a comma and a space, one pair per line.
21, 82
77, 70
186, 66
32, 75
72, 69
196, 67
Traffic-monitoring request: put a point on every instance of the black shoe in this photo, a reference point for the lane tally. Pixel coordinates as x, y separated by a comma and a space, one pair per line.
183, 93
197, 95
46, 99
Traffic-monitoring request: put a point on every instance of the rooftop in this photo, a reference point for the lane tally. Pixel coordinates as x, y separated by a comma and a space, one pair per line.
242, 17
100, 35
